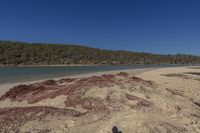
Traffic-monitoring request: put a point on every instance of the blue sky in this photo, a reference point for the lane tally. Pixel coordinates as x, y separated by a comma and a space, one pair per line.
158, 26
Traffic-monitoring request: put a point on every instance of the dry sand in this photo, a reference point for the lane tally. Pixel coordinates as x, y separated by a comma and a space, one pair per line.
164, 100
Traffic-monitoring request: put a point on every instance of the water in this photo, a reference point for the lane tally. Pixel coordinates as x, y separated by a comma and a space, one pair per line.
18, 74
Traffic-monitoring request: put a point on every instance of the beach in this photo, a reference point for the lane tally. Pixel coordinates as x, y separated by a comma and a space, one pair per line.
135, 100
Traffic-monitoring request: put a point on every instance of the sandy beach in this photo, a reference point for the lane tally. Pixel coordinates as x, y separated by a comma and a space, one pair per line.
161, 100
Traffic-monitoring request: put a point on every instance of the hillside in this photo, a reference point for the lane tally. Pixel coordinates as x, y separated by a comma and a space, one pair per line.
19, 53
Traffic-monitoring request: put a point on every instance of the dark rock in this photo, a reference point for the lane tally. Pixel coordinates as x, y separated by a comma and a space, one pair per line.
115, 130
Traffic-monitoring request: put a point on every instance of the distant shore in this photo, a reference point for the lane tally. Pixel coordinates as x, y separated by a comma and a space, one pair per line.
1, 65
46, 65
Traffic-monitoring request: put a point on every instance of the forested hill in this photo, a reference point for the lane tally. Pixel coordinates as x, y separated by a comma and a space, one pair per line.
18, 53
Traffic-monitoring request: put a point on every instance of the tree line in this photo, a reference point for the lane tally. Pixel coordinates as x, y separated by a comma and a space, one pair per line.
19, 53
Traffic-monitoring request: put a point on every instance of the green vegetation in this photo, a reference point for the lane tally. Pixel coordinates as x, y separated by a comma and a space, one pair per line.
18, 53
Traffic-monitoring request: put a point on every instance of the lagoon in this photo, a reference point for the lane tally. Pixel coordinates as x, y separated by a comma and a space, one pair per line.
30, 73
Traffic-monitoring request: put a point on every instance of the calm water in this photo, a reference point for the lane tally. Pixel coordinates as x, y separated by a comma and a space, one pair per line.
16, 74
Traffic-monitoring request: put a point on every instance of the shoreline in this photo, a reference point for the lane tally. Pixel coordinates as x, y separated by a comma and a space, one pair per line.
12, 84
5, 87
53, 71
22, 73
46, 65
173, 65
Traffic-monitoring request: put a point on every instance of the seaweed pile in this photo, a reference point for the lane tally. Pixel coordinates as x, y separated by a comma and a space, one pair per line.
118, 89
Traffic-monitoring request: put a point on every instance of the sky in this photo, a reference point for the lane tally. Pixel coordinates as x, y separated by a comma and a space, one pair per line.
155, 26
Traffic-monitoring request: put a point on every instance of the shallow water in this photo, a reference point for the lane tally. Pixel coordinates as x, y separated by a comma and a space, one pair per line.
18, 74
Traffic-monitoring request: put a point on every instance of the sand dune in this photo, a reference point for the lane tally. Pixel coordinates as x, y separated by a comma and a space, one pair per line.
160, 100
